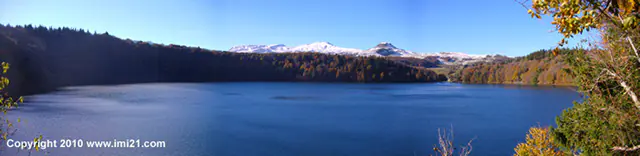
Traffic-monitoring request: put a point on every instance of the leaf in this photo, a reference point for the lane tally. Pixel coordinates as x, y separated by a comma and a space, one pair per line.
5, 67
629, 22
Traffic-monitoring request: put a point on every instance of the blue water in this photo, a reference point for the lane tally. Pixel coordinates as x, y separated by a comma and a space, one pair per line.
290, 119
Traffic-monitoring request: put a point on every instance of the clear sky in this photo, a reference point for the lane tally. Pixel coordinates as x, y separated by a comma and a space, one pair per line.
471, 26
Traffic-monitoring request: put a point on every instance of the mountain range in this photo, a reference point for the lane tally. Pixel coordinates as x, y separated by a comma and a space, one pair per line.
383, 49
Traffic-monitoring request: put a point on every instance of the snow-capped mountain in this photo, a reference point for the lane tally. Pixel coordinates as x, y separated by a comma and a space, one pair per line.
382, 49
321, 47
326, 47
455, 57
387, 49
260, 48
462, 58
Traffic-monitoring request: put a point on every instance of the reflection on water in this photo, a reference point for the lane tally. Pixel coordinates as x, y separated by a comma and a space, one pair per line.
290, 118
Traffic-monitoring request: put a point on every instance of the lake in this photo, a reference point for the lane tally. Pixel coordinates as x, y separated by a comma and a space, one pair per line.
290, 119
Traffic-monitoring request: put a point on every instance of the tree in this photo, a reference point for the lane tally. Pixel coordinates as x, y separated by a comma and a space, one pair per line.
6, 103
539, 142
608, 73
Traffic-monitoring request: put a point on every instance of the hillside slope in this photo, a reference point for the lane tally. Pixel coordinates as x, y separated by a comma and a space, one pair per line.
46, 58
538, 68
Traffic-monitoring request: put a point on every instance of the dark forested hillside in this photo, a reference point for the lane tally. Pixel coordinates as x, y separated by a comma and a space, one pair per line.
537, 68
47, 58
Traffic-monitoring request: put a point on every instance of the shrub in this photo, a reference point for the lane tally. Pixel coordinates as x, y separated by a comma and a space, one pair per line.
539, 142
445, 144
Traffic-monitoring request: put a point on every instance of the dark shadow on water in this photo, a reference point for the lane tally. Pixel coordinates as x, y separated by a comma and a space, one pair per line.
228, 93
429, 96
424, 96
373, 88
295, 98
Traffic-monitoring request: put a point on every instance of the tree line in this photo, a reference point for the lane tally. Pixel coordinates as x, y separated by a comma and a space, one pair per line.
538, 68
46, 58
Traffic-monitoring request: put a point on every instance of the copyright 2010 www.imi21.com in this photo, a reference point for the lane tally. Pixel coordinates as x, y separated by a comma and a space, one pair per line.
80, 143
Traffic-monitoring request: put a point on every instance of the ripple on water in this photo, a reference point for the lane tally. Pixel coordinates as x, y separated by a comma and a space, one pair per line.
295, 98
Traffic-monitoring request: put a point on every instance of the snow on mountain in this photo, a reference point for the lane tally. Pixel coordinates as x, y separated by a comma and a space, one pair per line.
387, 49
261, 48
463, 58
382, 49
455, 55
326, 47
321, 47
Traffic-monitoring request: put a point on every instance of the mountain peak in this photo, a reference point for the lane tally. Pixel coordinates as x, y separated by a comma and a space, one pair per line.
276, 45
385, 45
321, 43
387, 49
260, 48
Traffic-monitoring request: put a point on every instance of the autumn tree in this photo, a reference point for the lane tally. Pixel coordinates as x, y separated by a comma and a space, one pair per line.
607, 121
7, 127
539, 142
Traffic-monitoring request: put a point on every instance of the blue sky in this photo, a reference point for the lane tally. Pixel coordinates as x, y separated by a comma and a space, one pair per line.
471, 26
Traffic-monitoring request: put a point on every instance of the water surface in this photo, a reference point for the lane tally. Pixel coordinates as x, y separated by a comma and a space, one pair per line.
291, 119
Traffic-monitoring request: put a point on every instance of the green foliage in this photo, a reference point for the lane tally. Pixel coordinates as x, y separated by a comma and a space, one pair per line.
608, 117
607, 121
544, 54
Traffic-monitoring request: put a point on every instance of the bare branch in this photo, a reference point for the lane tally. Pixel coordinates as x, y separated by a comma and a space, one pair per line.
635, 51
523, 3
626, 87
625, 149
446, 145
446, 142
465, 151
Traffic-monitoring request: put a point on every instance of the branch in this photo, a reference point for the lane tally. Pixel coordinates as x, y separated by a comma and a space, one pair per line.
635, 51
522, 3
625, 149
466, 151
595, 84
626, 87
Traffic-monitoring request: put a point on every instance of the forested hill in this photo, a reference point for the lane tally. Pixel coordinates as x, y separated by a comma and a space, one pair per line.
537, 68
43, 59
